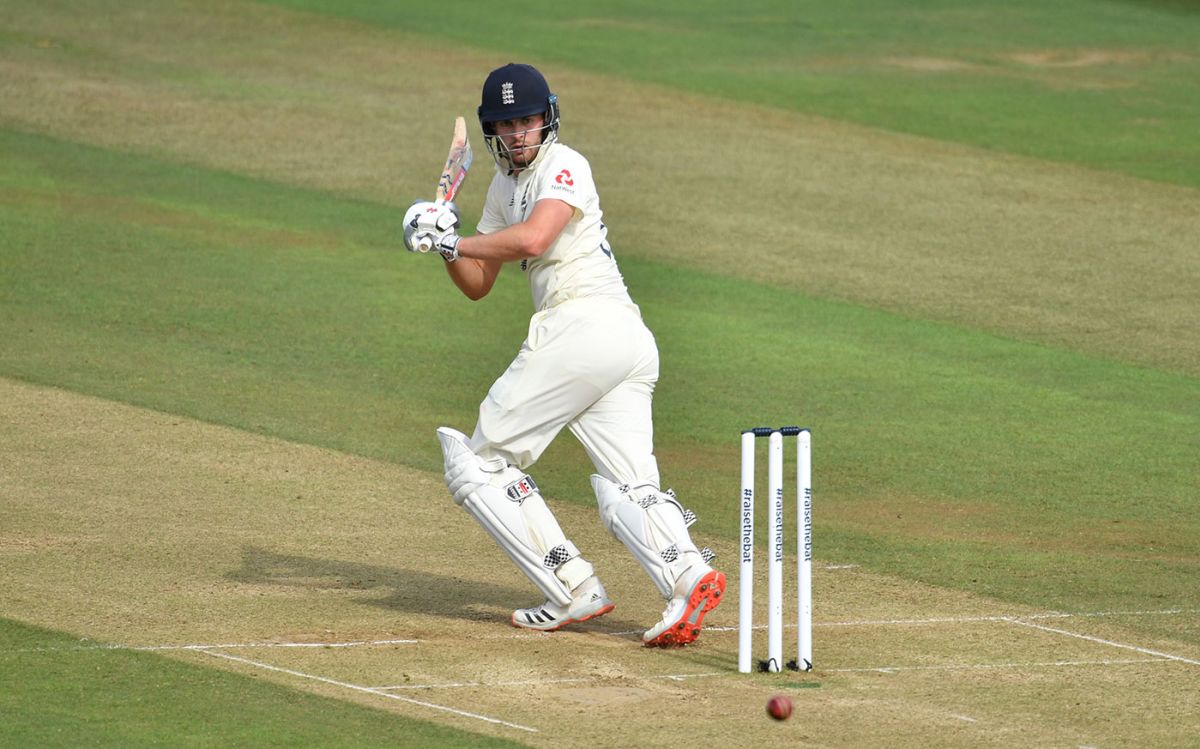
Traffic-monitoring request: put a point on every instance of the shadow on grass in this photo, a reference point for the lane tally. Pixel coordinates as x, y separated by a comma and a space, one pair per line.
416, 592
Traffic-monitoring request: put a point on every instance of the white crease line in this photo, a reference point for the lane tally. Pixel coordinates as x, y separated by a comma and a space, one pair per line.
240, 645
986, 666
1090, 638
1149, 612
1004, 617
522, 635
541, 682
226, 646
972, 619
368, 690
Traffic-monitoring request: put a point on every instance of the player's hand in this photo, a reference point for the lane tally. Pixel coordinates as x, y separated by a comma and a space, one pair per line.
426, 222
447, 245
444, 243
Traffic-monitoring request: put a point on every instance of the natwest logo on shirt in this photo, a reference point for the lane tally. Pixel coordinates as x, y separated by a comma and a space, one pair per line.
564, 178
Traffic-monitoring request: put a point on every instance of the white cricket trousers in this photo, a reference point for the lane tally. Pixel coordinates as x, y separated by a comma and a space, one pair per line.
589, 364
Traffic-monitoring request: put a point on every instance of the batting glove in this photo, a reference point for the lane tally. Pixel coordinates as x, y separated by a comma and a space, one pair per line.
447, 244
425, 219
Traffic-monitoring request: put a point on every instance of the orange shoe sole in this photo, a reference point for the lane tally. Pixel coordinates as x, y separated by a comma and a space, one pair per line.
705, 597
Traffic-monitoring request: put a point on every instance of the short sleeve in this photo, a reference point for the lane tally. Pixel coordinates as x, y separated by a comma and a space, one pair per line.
569, 179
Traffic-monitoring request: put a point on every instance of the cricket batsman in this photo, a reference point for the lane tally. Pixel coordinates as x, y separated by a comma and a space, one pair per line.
589, 364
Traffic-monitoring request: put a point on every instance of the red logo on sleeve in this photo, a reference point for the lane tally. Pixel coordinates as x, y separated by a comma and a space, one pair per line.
564, 178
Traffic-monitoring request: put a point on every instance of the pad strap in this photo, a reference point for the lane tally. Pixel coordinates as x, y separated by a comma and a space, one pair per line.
507, 504
653, 525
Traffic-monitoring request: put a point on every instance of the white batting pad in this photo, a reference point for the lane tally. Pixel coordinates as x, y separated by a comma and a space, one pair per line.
653, 525
507, 504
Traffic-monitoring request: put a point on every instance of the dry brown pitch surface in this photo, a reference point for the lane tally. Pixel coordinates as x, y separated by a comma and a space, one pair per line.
360, 580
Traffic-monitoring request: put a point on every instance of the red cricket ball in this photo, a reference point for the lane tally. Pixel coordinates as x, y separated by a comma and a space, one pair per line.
779, 707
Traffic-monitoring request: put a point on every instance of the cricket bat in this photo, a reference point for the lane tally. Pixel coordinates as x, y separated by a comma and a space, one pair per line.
458, 162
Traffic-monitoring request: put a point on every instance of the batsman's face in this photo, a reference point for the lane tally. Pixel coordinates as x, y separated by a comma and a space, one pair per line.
522, 137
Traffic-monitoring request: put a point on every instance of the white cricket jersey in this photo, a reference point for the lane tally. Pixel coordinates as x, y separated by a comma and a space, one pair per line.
579, 263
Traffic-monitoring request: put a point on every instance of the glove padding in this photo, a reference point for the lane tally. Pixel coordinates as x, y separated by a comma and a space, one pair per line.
446, 244
428, 225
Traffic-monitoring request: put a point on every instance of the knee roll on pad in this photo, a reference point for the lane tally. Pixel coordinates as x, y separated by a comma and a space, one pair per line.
506, 503
653, 525
464, 471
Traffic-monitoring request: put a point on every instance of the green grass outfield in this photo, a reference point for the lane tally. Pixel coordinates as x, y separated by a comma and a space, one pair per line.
1106, 83
59, 691
157, 250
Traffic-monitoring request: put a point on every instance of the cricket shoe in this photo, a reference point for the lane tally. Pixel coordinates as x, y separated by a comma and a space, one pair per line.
590, 601
702, 588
